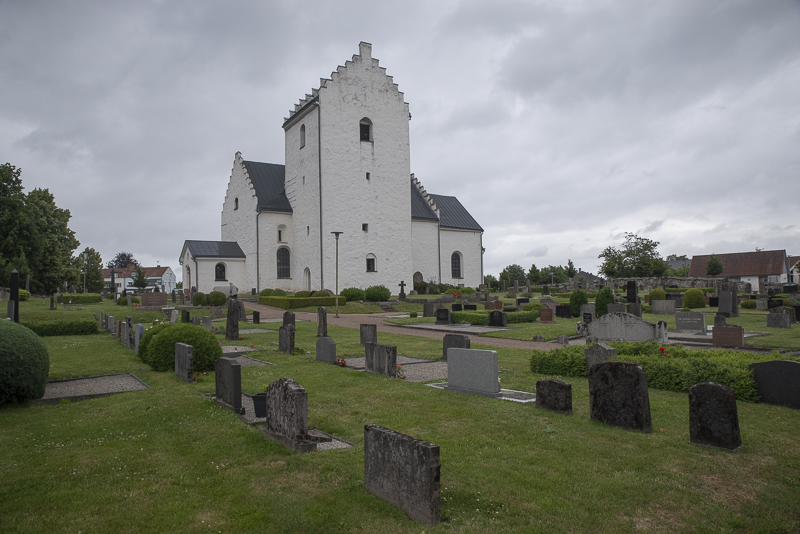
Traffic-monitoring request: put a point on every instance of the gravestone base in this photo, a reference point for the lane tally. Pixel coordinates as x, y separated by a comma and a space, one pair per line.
300, 446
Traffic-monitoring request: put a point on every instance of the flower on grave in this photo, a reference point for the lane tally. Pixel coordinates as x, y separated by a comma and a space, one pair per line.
194, 379
241, 339
663, 351
206, 373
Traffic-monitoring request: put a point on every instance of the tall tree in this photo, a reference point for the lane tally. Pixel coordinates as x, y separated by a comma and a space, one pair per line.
553, 274
53, 258
637, 257
533, 275
140, 278
714, 266
511, 273
17, 232
92, 268
570, 269
122, 260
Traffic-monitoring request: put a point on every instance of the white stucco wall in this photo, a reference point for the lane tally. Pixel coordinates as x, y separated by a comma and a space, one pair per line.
268, 226
425, 249
240, 224
468, 243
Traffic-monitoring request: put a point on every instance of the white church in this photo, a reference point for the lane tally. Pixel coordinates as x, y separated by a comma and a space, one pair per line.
347, 175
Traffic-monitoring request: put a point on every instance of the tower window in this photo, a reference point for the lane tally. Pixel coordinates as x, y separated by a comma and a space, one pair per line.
236, 203
372, 266
365, 227
302, 136
365, 129
367, 176
455, 264
284, 270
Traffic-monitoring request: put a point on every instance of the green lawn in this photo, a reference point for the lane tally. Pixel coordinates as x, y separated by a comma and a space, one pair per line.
170, 460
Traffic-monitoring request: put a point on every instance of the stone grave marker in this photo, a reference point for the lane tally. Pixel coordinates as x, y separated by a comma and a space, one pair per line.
457, 341
128, 297
587, 309
443, 316
563, 340
470, 307
458, 306
502, 286
53, 301
778, 382
779, 320
617, 308
232, 326
13, 297
599, 353
614, 326
184, 361
730, 336
183, 298
402, 293
713, 419
256, 317
173, 297
242, 311
618, 396
228, 382
10, 309
564, 311
663, 307
473, 371
554, 396
185, 317
677, 298
322, 322
633, 294
690, 322
403, 471
545, 290
516, 286
635, 309
498, 305
369, 333
546, 316
207, 324
538, 338
498, 318
123, 333
381, 360
427, 309
726, 303
288, 318
521, 301
719, 319
111, 325
287, 415
196, 320
733, 288
785, 310
286, 339
761, 304
154, 299
326, 350
131, 343
139, 332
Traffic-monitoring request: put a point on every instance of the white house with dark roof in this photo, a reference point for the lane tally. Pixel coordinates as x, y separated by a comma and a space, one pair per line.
347, 170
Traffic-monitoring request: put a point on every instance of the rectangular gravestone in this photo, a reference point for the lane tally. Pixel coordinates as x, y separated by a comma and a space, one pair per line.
131, 340
286, 339
326, 350
154, 299
110, 324
232, 325
663, 307
183, 298
598, 353
242, 311
554, 396
498, 318
720, 320
207, 324
617, 326
690, 322
288, 318
677, 298
256, 317
458, 306
368, 333
726, 303
779, 320
633, 294
733, 288
403, 471
196, 320
128, 297
502, 286
228, 382
778, 382
713, 419
546, 316
322, 322
564, 311
427, 309
761, 304
788, 311
381, 360
521, 301
587, 309
456, 341
635, 309
498, 305
102, 319
617, 308
184, 361
139, 332
713, 302
727, 336
473, 371
470, 307
123, 334
442, 316
618, 396
287, 415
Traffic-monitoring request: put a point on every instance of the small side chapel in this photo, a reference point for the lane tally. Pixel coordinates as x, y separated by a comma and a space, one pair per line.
347, 175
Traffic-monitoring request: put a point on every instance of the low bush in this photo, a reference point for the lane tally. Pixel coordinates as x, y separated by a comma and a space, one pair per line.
657, 294
353, 294
278, 293
265, 293
604, 297
292, 303
161, 349
377, 294
694, 298
217, 298
147, 337
123, 300
467, 290
747, 304
675, 370
24, 363
576, 299
66, 327
482, 317
303, 294
413, 315
24, 295
786, 302
199, 299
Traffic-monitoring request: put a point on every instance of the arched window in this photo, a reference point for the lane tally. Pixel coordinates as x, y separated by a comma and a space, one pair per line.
307, 278
188, 280
236, 203
455, 265
219, 272
284, 268
372, 264
302, 136
365, 129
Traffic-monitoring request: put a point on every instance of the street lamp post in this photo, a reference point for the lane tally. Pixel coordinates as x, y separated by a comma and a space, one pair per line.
337, 234
85, 267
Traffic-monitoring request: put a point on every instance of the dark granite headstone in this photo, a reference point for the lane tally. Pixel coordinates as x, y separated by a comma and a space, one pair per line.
402, 294
322, 322
14, 297
232, 327
288, 318
184, 361
587, 318
635, 309
713, 419
564, 311
779, 320
185, 316
457, 306
457, 341
369, 333
713, 302
554, 396
326, 350
521, 301
727, 336
546, 316
545, 290
474, 307
726, 303
633, 294
381, 360
692, 322
778, 382
256, 317
785, 310
618, 396
228, 382
443, 316
286, 339
498, 318
427, 309
403, 471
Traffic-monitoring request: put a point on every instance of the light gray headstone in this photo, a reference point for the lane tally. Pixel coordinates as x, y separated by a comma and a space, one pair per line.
691, 322
381, 359
473, 371
588, 308
196, 320
762, 305
207, 324
626, 326
616, 308
326, 350
778, 320
322, 322
369, 333
663, 307
184, 361
635, 309
174, 316
599, 353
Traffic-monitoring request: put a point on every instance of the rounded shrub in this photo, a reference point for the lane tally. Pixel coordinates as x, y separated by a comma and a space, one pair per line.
123, 300
302, 294
24, 295
353, 294
147, 337
413, 315
377, 293
576, 299
217, 298
786, 302
266, 293
694, 298
747, 304
24, 364
199, 299
657, 294
604, 297
161, 349
467, 290
278, 293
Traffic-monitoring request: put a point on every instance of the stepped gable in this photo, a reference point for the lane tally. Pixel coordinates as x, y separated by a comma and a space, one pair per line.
422, 205
364, 54
266, 181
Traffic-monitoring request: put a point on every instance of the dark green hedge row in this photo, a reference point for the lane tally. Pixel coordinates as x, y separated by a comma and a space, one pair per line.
482, 317
292, 303
68, 327
677, 371
82, 298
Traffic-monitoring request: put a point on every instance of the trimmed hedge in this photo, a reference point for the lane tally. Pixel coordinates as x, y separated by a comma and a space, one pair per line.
24, 363
748, 304
160, 353
377, 294
353, 294
217, 298
677, 371
482, 318
65, 327
303, 294
199, 299
278, 293
657, 294
84, 298
265, 293
123, 300
292, 303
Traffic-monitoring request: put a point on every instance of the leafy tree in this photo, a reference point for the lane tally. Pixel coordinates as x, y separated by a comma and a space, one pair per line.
578, 297
570, 269
553, 274
604, 297
637, 257
122, 260
714, 266
674, 257
534, 275
140, 278
511, 273
490, 281
16, 227
92, 268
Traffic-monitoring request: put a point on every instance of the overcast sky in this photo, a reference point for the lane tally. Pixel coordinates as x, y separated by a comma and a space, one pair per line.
559, 125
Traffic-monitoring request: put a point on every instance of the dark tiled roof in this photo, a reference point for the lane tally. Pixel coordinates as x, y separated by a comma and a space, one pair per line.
420, 209
215, 249
268, 181
791, 261
127, 272
763, 263
453, 215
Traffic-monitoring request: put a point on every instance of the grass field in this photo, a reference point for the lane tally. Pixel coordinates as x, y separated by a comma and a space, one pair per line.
170, 460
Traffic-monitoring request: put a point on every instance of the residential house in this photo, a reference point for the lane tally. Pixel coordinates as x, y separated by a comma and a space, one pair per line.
761, 268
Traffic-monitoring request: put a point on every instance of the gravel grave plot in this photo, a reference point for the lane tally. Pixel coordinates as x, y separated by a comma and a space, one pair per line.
91, 386
455, 328
507, 394
414, 369
257, 331
227, 350
246, 361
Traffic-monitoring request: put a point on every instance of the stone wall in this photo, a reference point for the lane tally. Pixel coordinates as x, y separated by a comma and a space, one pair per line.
652, 282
